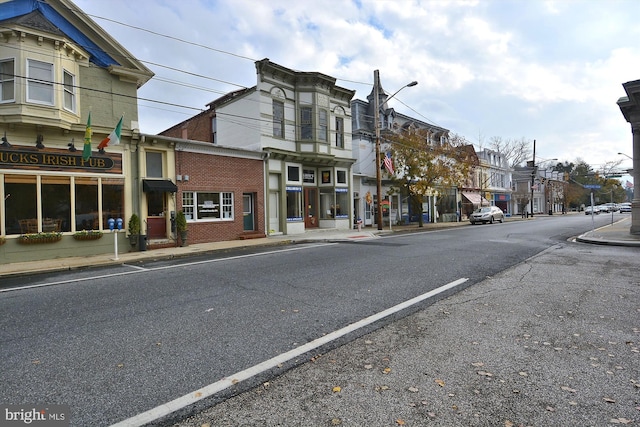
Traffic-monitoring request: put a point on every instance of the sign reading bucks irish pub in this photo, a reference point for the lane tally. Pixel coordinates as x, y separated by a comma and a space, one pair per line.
53, 159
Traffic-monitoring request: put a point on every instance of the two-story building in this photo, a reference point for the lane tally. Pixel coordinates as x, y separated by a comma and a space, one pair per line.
301, 123
64, 85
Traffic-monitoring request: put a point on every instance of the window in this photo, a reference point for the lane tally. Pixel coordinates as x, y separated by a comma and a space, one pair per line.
112, 201
69, 91
294, 203
293, 173
7, 80
39, 82
154, 164
323, 125
342, 203
278, 119
86, 210
207, 206
54, 195
339, 132
306, 123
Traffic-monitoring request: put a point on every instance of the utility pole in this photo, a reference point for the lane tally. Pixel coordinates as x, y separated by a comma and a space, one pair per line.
533, 176
376, 119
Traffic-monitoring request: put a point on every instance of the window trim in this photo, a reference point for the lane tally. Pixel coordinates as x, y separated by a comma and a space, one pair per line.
226, 201
339, 132
12, 79
71, 91
306, 124
278, 121
31, 81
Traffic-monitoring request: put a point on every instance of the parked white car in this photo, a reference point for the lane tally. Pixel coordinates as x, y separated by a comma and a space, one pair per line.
486, 214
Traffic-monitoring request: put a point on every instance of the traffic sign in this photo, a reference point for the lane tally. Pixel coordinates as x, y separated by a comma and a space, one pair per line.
592, 186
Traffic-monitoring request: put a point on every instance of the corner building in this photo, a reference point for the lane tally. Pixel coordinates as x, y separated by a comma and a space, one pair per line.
60, 74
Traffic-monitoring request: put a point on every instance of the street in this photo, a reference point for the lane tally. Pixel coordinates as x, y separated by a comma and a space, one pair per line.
116, 342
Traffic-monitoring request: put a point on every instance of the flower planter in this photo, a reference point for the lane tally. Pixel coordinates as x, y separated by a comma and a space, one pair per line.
88, 236
33, 238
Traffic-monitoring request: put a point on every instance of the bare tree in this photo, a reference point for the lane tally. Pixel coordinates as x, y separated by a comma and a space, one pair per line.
516, 151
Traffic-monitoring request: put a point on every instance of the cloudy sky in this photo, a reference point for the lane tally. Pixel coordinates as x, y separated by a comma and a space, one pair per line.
545, 70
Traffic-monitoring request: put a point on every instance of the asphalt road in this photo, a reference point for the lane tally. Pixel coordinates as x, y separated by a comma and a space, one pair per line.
116, 342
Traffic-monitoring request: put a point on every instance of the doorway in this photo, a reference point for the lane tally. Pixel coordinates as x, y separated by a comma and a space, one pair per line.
247, 212
311, 208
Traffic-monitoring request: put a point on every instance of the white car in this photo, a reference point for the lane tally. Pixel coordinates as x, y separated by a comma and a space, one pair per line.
486, 214
591, 210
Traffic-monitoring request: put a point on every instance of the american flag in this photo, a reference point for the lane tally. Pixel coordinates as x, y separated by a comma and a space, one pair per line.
388, 163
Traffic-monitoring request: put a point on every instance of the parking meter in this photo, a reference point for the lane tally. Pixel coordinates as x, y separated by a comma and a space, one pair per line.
119, 223
112, 223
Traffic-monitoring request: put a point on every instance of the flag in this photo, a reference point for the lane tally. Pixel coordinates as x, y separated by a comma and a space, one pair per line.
388, 163
86, 151
114, 136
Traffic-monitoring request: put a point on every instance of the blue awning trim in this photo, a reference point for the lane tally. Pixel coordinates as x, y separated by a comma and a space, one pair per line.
16, 8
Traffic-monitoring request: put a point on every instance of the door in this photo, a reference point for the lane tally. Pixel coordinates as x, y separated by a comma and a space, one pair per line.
310, 207
247, 212
156, 223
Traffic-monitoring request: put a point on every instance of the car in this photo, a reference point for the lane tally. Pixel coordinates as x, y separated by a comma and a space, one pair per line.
591, 210
486, 214
625, 207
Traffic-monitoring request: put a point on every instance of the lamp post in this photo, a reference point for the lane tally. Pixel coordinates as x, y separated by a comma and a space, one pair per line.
376, 118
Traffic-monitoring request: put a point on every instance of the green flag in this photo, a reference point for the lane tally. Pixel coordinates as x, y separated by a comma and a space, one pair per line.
86, 151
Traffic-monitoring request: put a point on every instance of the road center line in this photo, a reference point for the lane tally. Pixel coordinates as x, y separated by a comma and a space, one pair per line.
207, 391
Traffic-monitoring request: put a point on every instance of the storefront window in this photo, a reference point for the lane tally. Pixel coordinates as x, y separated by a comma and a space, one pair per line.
342, 203
294, 203
56, 204
22, 196
20, 204
112, 201
327, 203
87, 204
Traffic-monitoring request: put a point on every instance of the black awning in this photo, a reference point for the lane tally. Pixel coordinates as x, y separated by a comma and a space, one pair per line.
158, 185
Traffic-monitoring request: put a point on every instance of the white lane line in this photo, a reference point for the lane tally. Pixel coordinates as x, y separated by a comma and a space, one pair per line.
207, 391
138, 269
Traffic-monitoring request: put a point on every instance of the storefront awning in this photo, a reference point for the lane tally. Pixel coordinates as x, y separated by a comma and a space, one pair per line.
158, 185
475, 198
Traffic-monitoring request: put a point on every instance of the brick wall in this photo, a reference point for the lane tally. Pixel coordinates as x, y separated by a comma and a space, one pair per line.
214, 173
197, 128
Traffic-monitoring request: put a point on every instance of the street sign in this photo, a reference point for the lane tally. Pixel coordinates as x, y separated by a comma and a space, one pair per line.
592, 186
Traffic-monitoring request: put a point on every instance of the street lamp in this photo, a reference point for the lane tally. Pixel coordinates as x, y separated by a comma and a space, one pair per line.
376, 118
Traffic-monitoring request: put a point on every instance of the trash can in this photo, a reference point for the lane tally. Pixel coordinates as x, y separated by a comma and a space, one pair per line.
143, 242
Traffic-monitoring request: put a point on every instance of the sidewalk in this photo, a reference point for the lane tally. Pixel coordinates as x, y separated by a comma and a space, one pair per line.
616, 234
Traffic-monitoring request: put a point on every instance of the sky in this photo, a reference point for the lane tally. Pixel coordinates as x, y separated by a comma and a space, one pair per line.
550, 71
